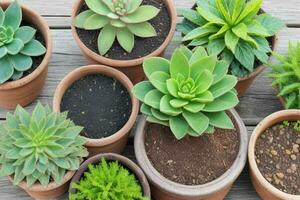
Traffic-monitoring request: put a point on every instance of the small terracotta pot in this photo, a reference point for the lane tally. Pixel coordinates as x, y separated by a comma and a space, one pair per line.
116, 142
164, 189
128, 164
132, 68
51, 191
26, 90
244, 83
265, 189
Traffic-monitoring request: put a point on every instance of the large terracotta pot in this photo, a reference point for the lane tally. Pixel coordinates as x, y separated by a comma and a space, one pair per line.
164, 189
265, 189
26, 90
116, 142
131, 166
132, 68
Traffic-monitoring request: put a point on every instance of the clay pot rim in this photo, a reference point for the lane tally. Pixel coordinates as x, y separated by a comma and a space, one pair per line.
110, 72
125, 63
260, 128
192, 191
47, 37
37, 187
130, 165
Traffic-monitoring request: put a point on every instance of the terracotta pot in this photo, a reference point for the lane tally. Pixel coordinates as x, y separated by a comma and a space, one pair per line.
26, 90
164, 189
128, 164
244, 83
132, 68
51, 191
265, 189
116, 142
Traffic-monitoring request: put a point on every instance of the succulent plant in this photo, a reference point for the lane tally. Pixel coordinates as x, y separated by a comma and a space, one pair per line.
190, 93
233, 29
39, 147
17, 44
286, 75
107, 181
117, 19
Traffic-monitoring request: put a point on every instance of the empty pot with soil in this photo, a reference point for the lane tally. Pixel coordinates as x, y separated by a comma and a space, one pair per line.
99, 98
25, 51
123, 39
274, 156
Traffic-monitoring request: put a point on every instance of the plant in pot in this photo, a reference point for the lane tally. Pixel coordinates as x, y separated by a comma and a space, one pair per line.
237, 31
109, 176
99, 99
24, 58
286, 75
274, 156
190, 144
121, 33
41, 151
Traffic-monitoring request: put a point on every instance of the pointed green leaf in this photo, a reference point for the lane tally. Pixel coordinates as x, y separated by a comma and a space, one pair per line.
197, 55
95, 22
204, 81
179, 127
98, 7
251, 8
197, 121
172, 86
207, 63
179, 64
33, 48
106, 39
200, 32
13, 15
209, 16
29, 165
216, 46
187, 52
191, 15
154, 64
270, 23
153, 98
125, 39
141, 89
220, 70
194, 107
204, 97
245, 55
25, 33
223, 86
159, 81
166, 107
231, 40
142, 14
178, 103
133, 6
80, 19
224, 102
220, 33
3, 52
2, 16
143, 30
220, 120
15, 47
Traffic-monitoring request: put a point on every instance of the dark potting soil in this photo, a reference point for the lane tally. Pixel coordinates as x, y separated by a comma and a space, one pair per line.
278, 158
142, 46
192, 160
99, 103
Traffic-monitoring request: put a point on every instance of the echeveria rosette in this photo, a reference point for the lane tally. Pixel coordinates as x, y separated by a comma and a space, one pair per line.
286, 75
190, 93
233, 29
17, 44
117, 19
39, 147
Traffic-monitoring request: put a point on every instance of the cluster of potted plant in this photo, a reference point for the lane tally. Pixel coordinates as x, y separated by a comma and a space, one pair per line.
190, 142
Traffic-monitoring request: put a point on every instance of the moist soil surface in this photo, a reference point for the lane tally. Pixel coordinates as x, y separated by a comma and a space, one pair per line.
142, 46
99, 103
192, 160
278, 158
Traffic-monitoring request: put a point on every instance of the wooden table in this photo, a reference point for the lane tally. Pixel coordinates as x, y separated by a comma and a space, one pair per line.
259, 101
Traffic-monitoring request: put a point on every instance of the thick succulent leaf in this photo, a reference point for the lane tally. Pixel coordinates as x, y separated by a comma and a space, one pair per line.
17, 75
133, 6
152, 119
2, 16
204, 81
33, 48
3, 52
141, 89
13, 15
223, 86
172, 86
94, 22
231, 40
200, 32
117, 23
159, 115
144, 29
25, 33
142, 14
20, 62
207, 63
178, 126
205, 97
18, 175
178, 103
224, 102
15, 47
270, 23
106, 39
220, 120
7, 70
167, 108
220, 70
209, 16
194, 107
125, 39
198, 54
179, 64
98, 7
251, 8
6, 169
215, 46
39, 112
80, 19
146, 110
187, 52
29, 165
155, 64
112, 16
197, 121
158, 80
153, 98
245, 55
109, 4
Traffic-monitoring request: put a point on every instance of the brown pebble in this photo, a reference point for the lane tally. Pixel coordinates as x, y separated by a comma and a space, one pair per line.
280, 175
296, 148
294, 167
293, 157
289, 171
269, 179
288, 152
277, 166
274, 152
298, 141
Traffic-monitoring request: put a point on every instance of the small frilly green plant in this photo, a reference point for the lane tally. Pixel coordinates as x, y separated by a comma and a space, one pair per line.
107, 181
17, 44
190, 93
295, 125
286, 75
117, 19
232, 29
39, 147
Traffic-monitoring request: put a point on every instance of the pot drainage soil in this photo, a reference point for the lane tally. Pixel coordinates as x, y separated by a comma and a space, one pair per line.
278, 158
191, 161
142, 46
99, 103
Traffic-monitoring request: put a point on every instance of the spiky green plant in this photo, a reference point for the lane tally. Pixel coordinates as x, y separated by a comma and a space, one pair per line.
117, 19
39, 147
190, 93
107, 181
17, 44
233, 29
286, 75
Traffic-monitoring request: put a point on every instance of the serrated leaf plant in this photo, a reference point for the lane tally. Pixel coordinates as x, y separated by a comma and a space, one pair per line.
107, 181
119, 20
286, 75
233, 29
190, 93
17, 44
39, 147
